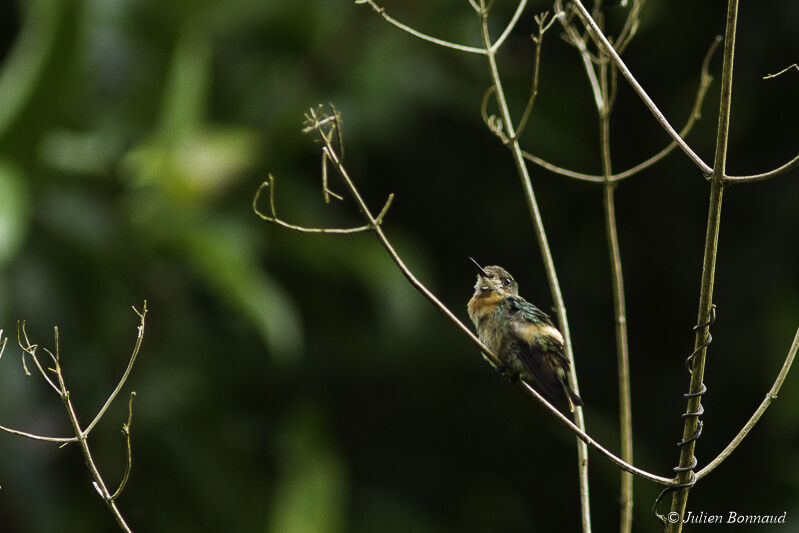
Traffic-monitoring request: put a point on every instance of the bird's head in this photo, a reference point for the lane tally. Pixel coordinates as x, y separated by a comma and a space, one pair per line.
494, 279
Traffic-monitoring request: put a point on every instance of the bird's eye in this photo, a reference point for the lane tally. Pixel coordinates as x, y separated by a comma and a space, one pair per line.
506, 281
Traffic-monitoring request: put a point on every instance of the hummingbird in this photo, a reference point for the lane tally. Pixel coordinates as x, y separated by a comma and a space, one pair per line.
527, 343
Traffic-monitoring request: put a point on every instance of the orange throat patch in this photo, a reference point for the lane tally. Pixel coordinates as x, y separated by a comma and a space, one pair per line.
483, 304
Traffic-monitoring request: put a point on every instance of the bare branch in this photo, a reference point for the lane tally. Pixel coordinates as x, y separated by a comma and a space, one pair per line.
705, 81
630, 27
582, 435
30, 349
578, 41
129, 464
82, 435
608, 48
562, 171
783, 71
273, 218
319, 121
543, 26
767, 401
126, 373
510, 26
446, 44
63, 440
790, 165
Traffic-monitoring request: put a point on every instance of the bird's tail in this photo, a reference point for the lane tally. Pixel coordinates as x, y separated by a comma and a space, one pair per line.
571, 396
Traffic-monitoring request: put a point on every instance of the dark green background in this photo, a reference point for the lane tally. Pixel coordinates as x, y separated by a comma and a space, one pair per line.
292, 383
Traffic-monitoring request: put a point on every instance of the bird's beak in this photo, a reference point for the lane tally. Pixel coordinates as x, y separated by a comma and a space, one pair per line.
483, 273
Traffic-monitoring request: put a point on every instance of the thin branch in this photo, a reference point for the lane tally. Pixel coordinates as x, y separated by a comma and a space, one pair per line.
126, 427
62, 440
783, 71
510, 26
30, 349
630, 27
563, 171
317, 122
549, 265
608, 48
790, 165
273, 218
578, 41
583, 436
342, 171
704, 84
126, 373
619, 303
81, 435
687, 460
767, 401
543, 26
446, 44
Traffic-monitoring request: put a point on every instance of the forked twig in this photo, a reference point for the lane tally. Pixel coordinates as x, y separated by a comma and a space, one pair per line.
274, 219
589, 22
543, 26
81, 435
416, 33
705, 81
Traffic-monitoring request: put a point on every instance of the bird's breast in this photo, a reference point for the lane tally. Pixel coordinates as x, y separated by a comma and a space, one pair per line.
482, 305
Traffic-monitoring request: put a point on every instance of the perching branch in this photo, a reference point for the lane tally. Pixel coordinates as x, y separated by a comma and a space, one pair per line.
767, 401
81, 435
321, 123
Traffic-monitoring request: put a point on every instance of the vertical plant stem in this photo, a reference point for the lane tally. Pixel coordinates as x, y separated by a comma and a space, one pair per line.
680, 497
549, 265
619, 306
604, 103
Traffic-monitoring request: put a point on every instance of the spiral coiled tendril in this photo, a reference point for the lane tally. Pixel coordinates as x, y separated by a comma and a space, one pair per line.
700, 410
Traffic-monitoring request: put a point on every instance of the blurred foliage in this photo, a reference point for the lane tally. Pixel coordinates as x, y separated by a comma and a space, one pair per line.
292, 383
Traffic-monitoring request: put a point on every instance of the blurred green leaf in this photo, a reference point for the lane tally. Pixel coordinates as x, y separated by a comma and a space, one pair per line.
28, 60
15, 210
222, 254
311, 495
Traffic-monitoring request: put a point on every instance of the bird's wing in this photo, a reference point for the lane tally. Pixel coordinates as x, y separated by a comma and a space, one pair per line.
541, 353
535, 328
